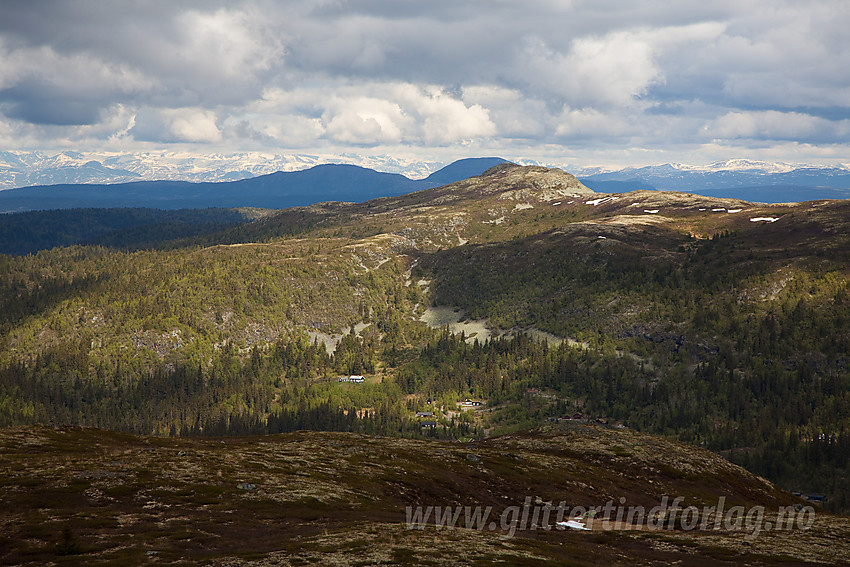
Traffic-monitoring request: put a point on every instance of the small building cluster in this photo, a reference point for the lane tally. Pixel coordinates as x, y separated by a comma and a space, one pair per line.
352, 378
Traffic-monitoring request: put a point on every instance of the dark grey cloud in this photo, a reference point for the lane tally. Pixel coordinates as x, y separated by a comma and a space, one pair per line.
35, 103
532, 76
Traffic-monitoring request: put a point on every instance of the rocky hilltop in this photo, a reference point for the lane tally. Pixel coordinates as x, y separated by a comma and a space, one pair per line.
516, 182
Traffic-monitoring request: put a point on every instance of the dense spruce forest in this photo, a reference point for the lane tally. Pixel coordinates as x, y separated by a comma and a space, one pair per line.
724, 333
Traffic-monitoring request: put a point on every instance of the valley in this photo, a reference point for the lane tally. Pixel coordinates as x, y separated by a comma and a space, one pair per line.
695, 325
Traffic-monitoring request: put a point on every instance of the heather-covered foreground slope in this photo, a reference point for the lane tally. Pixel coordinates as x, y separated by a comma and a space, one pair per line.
89, 496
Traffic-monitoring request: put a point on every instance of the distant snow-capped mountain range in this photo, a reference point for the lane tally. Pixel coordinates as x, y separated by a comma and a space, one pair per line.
729, 173
761, 167
755, 181
24, 169
741, 178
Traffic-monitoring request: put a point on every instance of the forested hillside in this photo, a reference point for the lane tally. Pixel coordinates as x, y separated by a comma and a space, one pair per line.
719, 322
27, 233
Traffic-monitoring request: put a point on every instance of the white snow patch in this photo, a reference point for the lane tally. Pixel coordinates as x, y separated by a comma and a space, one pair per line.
718, 210
556, 204
702, 209
651, 211
573, 525
734, 210
764, 219
600, 236
599, 201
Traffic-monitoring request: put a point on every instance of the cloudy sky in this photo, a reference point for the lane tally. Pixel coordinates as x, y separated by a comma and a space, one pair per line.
597, 82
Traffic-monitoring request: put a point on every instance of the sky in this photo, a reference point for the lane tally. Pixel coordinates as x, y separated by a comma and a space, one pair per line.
598, 82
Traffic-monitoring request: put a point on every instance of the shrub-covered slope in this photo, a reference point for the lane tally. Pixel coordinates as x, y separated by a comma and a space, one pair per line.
97, 497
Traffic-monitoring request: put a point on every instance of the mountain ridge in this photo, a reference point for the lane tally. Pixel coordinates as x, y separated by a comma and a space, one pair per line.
744, 179
749, 180
326, 182
27, 169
